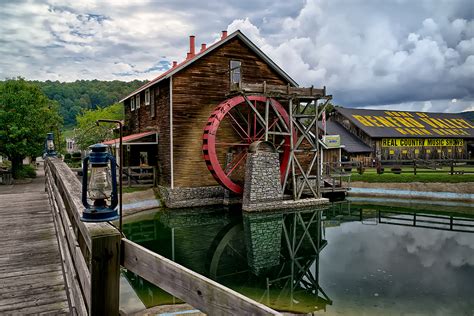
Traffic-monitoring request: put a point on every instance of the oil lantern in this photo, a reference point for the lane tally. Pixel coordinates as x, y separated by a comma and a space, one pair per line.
49, 146
101, 187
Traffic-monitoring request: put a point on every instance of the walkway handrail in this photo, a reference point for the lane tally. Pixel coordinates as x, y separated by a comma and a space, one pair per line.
90, 251
91, 260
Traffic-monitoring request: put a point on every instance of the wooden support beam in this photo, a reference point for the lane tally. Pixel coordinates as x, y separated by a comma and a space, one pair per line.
202, 293
281, 89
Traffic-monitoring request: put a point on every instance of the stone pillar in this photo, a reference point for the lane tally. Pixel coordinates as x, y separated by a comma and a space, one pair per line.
262, 240
262, 180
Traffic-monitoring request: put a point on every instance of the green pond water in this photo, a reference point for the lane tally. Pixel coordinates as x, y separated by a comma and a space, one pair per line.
364, 257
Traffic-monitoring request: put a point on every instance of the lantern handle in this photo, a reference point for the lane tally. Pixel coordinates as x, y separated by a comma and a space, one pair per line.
85, 164
113, 198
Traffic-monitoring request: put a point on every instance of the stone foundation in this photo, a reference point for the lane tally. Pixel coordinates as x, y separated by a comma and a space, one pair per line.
191, 197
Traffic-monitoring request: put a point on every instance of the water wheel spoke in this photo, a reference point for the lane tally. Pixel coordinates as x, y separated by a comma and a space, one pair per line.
239, 126
261, 132
232, 144
237, 164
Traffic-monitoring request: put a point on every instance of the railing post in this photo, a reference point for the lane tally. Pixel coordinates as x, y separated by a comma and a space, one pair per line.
105, 272
414, 167
452, 166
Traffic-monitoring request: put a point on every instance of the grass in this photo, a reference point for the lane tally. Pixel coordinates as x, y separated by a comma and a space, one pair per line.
126, 189
424, 175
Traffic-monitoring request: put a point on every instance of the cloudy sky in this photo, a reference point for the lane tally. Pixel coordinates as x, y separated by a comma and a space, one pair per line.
397, 54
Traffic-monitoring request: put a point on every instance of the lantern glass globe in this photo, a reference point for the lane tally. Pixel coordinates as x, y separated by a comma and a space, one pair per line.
100, 184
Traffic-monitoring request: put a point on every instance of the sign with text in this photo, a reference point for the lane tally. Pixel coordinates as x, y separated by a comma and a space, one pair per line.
332, 141
420, 142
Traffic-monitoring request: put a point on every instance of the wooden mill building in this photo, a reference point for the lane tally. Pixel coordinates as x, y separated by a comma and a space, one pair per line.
175, 107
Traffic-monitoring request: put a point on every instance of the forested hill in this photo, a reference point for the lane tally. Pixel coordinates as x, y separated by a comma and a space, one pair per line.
85, 94
468, 115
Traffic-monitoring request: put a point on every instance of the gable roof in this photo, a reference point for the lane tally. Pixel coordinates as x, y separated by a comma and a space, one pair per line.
237, 34
405, 124
129, 138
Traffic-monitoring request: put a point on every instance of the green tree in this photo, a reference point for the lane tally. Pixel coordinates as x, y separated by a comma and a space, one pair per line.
26, 116
88, 132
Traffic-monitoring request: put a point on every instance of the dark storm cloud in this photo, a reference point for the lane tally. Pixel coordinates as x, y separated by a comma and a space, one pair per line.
367, 53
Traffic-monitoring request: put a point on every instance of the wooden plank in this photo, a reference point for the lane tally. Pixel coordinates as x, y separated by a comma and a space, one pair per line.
30, 270
20, 288
53, 308
36, 303
204, 294
31, 279
31, 298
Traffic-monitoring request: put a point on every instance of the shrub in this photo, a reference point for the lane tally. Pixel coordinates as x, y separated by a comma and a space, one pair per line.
26, 171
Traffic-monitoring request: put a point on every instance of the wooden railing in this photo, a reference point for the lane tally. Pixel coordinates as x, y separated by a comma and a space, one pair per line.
91, 255
6, 177
451, 166
90, 251
139, 176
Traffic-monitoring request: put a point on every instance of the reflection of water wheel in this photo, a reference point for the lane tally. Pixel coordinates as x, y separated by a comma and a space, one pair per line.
233, 126
228, 252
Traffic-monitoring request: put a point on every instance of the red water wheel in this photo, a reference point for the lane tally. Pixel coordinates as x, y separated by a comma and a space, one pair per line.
233, 126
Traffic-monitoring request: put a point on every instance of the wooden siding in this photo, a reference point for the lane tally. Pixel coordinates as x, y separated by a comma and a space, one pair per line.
141, 120
197, 90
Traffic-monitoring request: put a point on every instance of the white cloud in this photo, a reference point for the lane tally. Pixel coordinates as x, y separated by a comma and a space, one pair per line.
368, 53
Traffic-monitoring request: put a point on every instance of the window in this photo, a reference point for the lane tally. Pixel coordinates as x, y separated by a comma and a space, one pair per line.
147, 97
153, 95
132, 104
235, 74
137, 101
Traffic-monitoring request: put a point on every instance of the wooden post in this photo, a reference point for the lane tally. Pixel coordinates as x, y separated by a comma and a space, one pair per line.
452, 166
105, 272
414, 167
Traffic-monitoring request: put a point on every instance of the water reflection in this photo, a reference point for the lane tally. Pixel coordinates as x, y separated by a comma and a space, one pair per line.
380, 259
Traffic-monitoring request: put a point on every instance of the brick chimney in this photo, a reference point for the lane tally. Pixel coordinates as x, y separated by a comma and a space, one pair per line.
192, 48
224, 35
203, 47
175, 63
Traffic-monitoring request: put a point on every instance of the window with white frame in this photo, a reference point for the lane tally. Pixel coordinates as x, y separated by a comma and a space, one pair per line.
132, 104
147, 97
235, 72
137, 101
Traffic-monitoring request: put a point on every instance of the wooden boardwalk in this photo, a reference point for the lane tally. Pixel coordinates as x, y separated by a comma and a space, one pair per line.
31, 276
